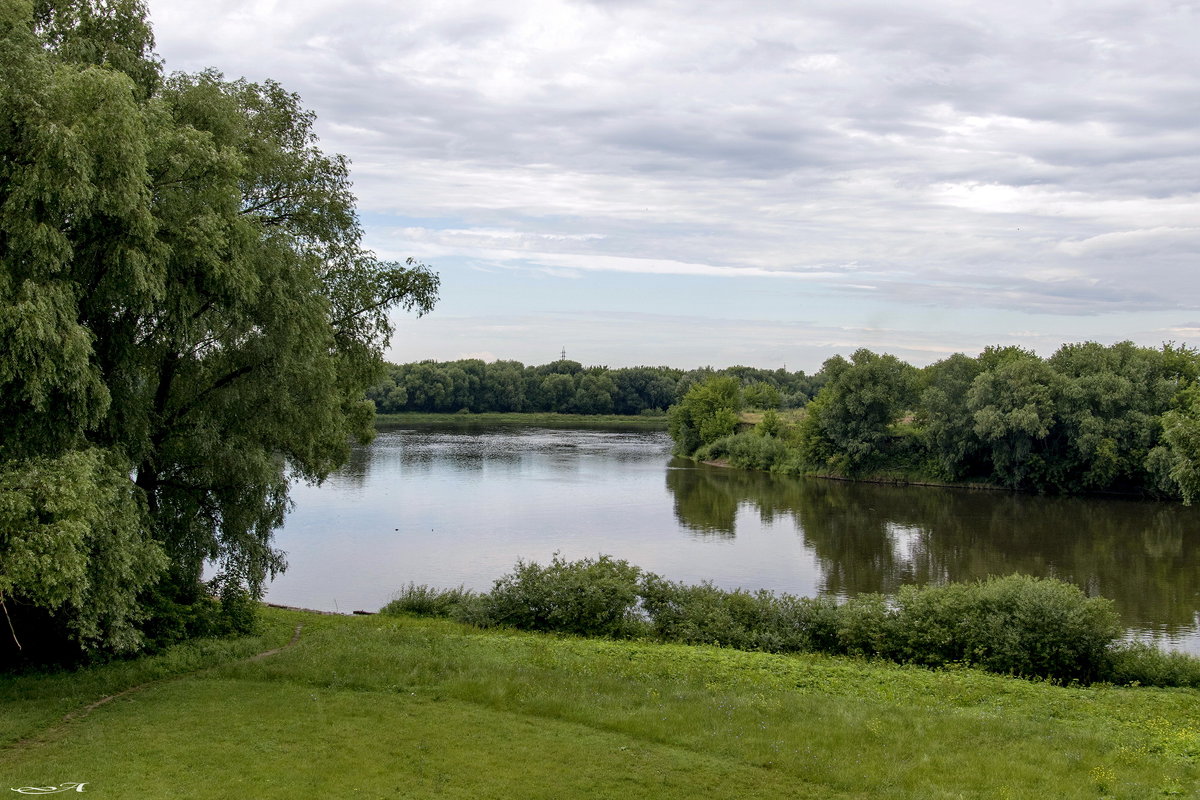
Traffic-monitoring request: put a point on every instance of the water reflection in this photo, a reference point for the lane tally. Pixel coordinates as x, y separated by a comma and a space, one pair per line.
702, 504
870, 538
458, 506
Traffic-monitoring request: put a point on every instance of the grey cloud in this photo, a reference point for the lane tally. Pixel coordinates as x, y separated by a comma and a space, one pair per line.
943, 149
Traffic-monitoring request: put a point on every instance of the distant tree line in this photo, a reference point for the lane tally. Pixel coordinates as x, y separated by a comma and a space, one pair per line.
567, 387
1089, 418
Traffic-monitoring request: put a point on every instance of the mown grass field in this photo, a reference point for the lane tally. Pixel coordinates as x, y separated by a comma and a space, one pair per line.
402, 707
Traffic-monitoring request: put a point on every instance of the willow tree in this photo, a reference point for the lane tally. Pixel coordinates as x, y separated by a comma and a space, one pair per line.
188, 321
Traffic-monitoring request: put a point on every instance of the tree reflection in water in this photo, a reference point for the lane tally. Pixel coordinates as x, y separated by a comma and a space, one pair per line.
875, 538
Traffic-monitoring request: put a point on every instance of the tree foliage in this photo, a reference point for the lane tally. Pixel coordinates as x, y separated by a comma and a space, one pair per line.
1014, 407
706, 413
568, 387
1091, 418
1177, 459
76, 544
188, 317
849, 427
1110, 408
945, 419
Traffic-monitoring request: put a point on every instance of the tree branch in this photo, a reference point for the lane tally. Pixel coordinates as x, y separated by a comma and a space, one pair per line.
11, 629
220, 383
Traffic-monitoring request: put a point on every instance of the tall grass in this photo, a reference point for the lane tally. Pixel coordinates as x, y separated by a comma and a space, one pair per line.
1141, 664
426, 601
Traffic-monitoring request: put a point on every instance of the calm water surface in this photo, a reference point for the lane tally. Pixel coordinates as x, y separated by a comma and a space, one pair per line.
450, 506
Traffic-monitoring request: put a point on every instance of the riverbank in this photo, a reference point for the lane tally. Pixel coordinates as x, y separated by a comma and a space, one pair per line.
878, 479
404, 707
543, 419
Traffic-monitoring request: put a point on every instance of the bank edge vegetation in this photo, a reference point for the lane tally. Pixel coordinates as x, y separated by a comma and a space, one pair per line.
1089, 419
1015, 625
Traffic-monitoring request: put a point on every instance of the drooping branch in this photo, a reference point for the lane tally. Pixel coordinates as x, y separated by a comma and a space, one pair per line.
225, 380
11, 629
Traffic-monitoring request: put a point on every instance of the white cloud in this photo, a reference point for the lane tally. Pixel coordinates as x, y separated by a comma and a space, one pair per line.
1028, 157
1135, 242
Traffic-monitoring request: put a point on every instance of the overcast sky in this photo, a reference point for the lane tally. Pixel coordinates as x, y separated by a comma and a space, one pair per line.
761, 183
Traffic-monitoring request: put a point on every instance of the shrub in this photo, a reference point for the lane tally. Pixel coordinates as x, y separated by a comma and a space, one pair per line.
757, 452
238, 611
713, 450
426, 601
1034, 627
817, 620
188, 611
747, 451
790, 624
707, 412
590, 597
761, 620
1146, 665
934, 624
771, 424
1015, 625
864, 627
701, 614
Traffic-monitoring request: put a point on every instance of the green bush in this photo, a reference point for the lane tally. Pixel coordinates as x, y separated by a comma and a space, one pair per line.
818, 620
237, 614
1145, 665
934, 625
701, 614
757, 452
590, 597
747, 451
426, 601
1034, 627
705, 614
197, 610
864, 627
706, 412
1016, 625
771, 425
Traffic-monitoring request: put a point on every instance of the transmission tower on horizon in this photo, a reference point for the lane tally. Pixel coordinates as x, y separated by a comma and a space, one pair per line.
563, 357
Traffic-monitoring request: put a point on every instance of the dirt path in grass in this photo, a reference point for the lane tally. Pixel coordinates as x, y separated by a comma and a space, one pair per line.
83, 712
48, 734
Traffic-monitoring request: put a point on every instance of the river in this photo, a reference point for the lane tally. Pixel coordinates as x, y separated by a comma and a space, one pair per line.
458, 505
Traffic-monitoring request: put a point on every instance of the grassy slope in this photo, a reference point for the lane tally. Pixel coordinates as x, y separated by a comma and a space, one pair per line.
396, 707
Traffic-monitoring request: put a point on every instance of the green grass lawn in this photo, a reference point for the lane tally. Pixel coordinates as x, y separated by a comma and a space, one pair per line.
399, 707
